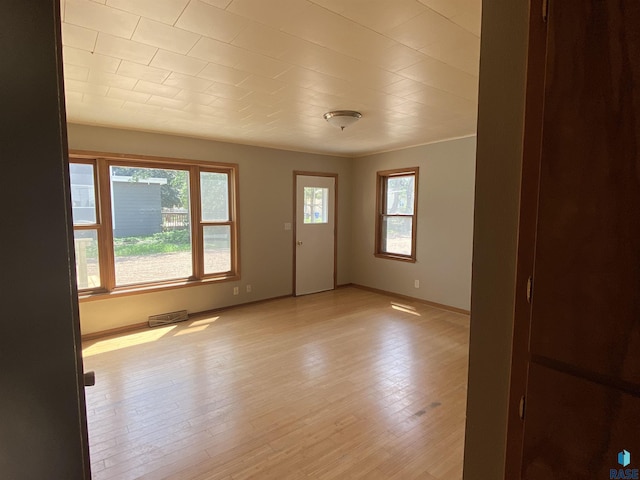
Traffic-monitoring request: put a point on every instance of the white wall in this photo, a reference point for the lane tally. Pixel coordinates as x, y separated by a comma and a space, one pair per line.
445, 223
266, 203
445, 211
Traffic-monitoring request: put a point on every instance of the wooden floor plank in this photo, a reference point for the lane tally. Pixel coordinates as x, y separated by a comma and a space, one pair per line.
341, 384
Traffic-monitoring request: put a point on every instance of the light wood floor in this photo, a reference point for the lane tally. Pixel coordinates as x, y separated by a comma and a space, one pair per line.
337, 385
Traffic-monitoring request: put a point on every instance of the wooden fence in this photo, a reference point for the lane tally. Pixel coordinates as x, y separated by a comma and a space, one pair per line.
174, 221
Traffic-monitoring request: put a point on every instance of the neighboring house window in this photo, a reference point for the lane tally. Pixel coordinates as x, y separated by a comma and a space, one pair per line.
140, 223
396, 214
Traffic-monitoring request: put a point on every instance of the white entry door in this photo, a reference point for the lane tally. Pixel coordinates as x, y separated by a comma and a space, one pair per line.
315, 242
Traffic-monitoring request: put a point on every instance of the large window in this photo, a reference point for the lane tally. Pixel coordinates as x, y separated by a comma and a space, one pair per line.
141, 223
396, 202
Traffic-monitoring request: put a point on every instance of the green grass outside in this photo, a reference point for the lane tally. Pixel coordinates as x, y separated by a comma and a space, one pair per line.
163, 242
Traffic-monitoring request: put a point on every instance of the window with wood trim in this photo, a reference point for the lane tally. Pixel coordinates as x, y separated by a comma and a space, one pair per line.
396, 214
141, 223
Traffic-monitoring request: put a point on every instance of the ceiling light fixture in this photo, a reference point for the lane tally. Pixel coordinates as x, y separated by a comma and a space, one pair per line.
342, 118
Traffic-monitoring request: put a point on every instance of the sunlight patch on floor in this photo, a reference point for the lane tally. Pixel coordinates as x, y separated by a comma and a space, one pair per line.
124, 341
188, 330
204, 321
405, 308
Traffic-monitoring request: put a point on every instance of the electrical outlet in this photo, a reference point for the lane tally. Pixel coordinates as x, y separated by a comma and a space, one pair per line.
416, 283
248, 288
236, 290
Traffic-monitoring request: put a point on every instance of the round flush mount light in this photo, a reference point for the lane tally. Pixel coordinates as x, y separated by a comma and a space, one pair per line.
342, 118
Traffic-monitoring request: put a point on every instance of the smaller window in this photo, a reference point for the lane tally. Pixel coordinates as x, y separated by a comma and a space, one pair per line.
86, 225
396, 217
216, 222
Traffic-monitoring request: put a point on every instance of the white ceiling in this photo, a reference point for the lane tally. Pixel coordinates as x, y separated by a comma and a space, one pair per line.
263, 72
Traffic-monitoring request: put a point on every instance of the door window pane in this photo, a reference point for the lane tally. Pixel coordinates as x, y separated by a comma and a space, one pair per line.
316, 208
83, 196
217, 249
87, 264
397, 235
214, 193
148, 248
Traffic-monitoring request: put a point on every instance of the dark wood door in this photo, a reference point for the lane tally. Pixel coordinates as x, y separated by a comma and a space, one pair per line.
43, 431
583, 391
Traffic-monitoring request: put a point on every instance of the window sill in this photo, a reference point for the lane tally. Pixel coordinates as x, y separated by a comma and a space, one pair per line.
151, 288
400, 258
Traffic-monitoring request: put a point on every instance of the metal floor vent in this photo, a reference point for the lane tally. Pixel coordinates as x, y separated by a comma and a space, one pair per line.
166, 318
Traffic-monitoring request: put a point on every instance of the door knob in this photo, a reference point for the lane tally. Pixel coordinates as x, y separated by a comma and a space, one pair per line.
299, 242
89, 379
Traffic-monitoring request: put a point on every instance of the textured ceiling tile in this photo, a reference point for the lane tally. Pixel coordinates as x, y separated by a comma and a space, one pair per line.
75, 72
275, 13
216, 52
261, 84
178, 115
394, 58
161, 101
142, 108
469, 21
177, 63
93, 61
165, 11
444, 77
218, 114
422, 30
72, 98
187, 82
223, 74
156, 89
85, 87
443, 101
78, 37
446, 8
142, 72
126, 49
337, 33
101, 102
218, 3
367, 76
316, 81
164, 36
191, 97
127, 95
461, 51
231, 105
405, 86
111, 80
259, 64
316, 57
94, 16
378, 15
211, 21
231, 92
266, 40
453, 8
